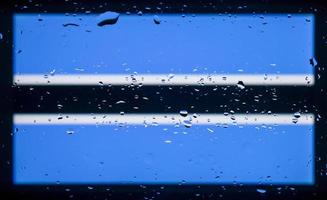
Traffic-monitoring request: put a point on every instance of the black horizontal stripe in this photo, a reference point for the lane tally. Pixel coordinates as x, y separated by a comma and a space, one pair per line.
167, 6
158, 99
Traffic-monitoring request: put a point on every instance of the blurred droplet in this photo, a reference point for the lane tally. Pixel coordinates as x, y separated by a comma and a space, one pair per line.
187, 123
210, 130
70, 24
156, 19
240, 85
170, 76
168, 141
52, 73
108, 18
262, 191
297, 115
183, 113
313, 62
120, 102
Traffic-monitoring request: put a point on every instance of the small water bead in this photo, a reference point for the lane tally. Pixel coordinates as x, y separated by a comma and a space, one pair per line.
261, 191
156, 19
240, 85
183, 113
108, 18
187, 123
297, 114
168, 141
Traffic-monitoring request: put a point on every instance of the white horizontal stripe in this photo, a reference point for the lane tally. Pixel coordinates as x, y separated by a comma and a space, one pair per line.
165, 79
162, 119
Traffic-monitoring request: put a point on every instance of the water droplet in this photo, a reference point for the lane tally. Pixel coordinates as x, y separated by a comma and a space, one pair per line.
170, 76
183, 113
1, 36
297, 115
70, 132
140, 13
168, 141
240, 85
210, 130
70, 24
108, 18
313, 62
265, 76
261, 191
187, 123
120, 102
156, 19
79, 69
52, 73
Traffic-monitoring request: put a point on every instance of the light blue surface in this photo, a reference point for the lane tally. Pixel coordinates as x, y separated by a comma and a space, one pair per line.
137, 154
209, 43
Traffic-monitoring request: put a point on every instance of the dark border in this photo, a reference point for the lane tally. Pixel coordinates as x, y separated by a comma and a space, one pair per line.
318, 191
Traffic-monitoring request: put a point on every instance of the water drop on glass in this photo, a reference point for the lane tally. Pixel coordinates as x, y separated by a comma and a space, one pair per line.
52, 73
261, 191
183, 113
187, 123
210, 130
156, 19
168, 141
240, 85
108, 18
313, 62
297, 115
